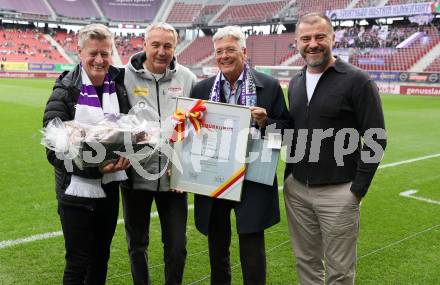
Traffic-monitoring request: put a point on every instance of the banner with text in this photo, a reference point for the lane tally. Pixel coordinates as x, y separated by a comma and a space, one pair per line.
14, 66
41, 66
420, 90
63, 67
28, 75
382, 12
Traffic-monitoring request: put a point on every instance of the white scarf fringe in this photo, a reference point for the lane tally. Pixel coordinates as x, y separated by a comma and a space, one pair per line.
114, 176
84, 187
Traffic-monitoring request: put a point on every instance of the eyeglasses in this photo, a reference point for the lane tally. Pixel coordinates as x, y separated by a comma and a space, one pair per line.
228, 51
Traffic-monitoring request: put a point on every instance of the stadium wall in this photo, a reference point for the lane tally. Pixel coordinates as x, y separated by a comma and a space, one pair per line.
28, 75
9, 66
406, 83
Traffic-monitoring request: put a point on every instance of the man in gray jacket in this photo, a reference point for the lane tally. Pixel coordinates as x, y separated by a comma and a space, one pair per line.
154, 79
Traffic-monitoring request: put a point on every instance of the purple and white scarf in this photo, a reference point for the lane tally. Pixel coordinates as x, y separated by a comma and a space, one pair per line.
90, 111
88, 108
248, 95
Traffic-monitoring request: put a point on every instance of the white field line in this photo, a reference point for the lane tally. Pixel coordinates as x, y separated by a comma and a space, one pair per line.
399, 241
409, 161
370, 253
409, 194
154, 266
359, 258
197, 253
393, 164
9, 243
201, 252
239, 263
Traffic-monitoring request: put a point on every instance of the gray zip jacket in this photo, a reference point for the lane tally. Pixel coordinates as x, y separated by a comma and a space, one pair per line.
159, 97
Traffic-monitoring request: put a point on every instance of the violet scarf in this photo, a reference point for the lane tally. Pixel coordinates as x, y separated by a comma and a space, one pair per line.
89, 111
248, 95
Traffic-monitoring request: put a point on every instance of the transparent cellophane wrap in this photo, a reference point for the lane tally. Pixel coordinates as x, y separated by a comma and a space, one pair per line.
91, 145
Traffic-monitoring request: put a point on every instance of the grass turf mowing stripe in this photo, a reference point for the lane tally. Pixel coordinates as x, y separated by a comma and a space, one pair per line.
235, 266
154, 266
359, 258
9, 243
399, 241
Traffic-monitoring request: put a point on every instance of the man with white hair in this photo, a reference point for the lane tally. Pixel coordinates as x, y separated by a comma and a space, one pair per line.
237, 83
154, 79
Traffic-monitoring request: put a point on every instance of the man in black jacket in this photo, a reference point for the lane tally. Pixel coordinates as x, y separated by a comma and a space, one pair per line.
332, 106
88, 222
258, 210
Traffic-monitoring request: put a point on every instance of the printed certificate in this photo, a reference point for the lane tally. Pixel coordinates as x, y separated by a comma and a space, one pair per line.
213, 161
263, 169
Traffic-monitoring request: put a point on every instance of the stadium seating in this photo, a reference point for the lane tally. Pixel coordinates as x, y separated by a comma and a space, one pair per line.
81, 9
269, 49
372, 37
198, 50
367, 3
210, 10
28, 46
398, 59
261, 49
434, 66
369, 52
207, 12
184, 12
374, 47
250, 13
306, 6
127, 46
69, 41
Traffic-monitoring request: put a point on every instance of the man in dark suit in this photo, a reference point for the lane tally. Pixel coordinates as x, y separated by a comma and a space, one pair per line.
238, 83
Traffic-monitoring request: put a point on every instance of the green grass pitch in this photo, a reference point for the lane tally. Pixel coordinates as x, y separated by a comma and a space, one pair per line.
399, 240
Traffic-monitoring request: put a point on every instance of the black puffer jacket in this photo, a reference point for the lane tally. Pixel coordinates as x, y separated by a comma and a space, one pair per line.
62, 104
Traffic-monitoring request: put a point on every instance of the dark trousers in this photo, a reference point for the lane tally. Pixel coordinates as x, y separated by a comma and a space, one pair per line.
252, 248
173, 211
88, 232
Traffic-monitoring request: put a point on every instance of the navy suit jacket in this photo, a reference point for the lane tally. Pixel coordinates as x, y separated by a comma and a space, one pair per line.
259, 207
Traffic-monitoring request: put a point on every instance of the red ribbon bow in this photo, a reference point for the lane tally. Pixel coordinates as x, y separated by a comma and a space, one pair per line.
195, 117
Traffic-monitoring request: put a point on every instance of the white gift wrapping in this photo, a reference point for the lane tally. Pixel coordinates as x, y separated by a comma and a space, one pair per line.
62, 138
67, 138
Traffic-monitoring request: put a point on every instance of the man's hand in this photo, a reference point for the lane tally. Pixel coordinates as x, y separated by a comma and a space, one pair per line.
359, 198
177, 191
259, 115
113, 166
174, 190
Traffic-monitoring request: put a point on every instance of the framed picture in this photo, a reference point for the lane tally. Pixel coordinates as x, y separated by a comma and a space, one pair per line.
213, 160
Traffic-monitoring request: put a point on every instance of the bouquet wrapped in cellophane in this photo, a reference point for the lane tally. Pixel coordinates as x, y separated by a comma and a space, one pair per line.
92, 145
